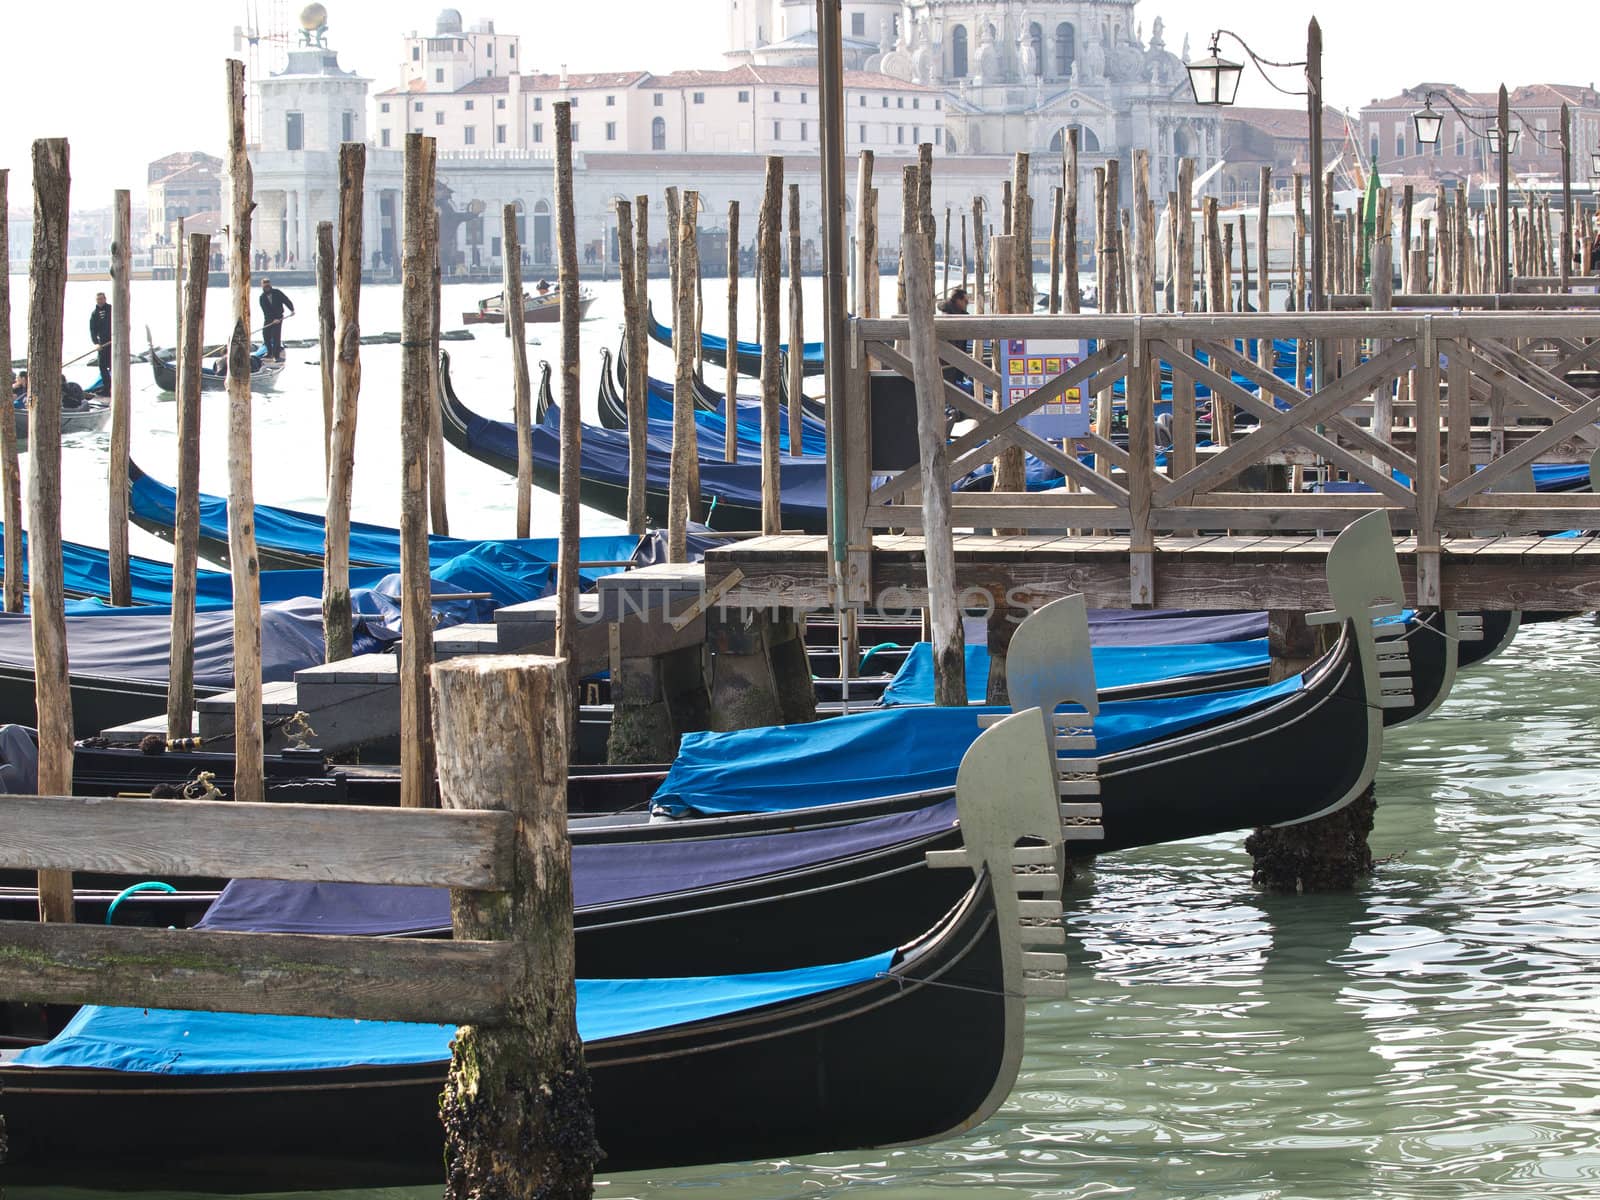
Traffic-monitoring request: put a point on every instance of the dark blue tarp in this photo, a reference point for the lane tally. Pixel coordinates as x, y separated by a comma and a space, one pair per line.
171, 1042
602, 874
1114, 666
891, 751
287, 530
712, 425
811, 351
1547, 477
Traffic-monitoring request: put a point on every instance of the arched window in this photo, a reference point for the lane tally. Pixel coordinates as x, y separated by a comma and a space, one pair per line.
1036, 39
1461, 142
1087, 142
1066, 50
1182, 146
958, 52
658, 134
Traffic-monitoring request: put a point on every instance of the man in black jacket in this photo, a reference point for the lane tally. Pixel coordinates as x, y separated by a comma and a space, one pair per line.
273, 302
100, 333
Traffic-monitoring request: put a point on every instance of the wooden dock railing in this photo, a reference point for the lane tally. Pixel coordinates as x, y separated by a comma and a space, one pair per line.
1442, 368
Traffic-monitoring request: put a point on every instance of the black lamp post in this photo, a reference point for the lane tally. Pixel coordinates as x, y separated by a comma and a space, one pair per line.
1503, 138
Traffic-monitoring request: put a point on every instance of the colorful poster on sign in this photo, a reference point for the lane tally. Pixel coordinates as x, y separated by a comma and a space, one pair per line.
1031, 363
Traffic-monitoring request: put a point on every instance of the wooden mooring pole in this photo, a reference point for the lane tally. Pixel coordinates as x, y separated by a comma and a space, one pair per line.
47, 294
795, 359
517, 1110
767, 256
336, 615
730, 384
682, 478
638, 377
186, 518
630, 322
438, 507
521, 402
571, 413
327, 327
10, 479
121, 589
249, 782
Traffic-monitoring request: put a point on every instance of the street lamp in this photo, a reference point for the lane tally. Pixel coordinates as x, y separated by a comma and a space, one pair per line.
1428, 123
1513, 139
1594, 164
1215, 79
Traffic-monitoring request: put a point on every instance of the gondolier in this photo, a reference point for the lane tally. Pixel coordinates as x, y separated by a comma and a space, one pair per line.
100, 332
273, 303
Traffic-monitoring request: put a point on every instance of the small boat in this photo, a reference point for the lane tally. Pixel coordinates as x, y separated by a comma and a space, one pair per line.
544, 308
799, 1060
214, 375
714, 349
89, 416
730, 492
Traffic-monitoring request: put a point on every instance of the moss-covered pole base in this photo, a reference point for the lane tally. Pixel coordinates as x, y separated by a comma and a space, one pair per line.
1330, 854
655, 701
517, 1112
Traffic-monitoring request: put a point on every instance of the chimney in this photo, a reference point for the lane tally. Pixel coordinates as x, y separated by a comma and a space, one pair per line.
563, 77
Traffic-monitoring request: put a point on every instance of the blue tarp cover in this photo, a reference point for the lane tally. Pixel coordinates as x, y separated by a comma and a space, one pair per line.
173, 1042
1114, 666
811, 352
287, 530
711, 425
891, 751
602, 874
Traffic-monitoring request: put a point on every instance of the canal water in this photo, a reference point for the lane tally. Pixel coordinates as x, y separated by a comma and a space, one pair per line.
1433, 1035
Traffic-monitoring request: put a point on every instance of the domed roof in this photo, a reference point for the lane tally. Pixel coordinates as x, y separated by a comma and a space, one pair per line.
449, 21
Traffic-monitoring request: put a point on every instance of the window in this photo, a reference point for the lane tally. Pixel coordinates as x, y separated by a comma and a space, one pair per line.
777, 131
611, 131
658, 134
916, 135
573, 101
1036, 40
1461, 142
1399, 141
802, 131
1066, 49
916, 102
574, 131
900, 134
347, 127
500, 135
513, 50
417, 107
698, 98
294, 132
469, 135
1372, 147
416, 54
538, 103
861, 137
384, 107
438, 74
777, 97
383, 138
937, 104
611, 101
744, 97
469, 105
438, 117
899, 101
538, 131
656, 99
958, 52
861, 101
886, 102
1438, 147
858, 25
804, 97
500, 103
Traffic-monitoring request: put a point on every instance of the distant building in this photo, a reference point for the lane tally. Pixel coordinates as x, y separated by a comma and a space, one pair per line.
185, 185
1279, 138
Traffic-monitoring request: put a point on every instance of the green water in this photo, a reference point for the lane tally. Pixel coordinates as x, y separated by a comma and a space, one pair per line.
1434, 1035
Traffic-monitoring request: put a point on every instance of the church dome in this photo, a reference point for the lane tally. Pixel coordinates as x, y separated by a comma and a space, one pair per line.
449, 21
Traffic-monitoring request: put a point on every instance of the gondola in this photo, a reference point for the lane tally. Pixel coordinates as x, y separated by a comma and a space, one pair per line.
89, 417
730, 492
710, 424
543, 309
263, 372
806, 1060
714, 349
287, 539
708, 399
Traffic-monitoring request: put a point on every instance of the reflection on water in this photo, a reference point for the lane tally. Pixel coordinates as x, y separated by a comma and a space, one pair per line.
1435, 1035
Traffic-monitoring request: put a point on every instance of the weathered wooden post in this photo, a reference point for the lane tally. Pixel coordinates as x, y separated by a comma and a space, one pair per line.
683, 440
121, 590
866, 266
949, 655
570, 476
186, 517
767, 252
1144, 379
47, 294
963, 252
416, 587
438, 507
795, 359
946, 252
1408, 203
1181, 458
979, 291
177, 288
521, 404
336, 615
249, 785
327, 316
517, 1111
626, 270
1227, 264
638, 377
10, 478
1055, 249
1072, 300
672, 259
730, 398
1264, 256
1022, 231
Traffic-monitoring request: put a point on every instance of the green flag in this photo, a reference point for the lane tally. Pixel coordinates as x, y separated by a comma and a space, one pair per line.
1369, 225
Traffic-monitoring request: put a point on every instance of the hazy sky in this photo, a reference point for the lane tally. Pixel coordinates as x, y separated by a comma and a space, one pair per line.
130, 80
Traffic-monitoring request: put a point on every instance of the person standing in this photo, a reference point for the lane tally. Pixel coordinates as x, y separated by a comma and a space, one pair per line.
100, 333
273, 304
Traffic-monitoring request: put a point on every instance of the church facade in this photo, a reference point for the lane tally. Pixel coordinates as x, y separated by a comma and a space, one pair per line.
1016, 74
